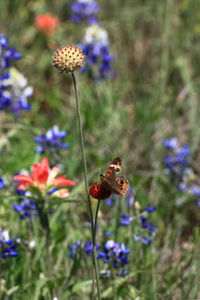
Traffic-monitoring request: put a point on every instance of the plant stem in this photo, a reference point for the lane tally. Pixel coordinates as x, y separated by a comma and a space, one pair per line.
95, 220
93, 229
154, 277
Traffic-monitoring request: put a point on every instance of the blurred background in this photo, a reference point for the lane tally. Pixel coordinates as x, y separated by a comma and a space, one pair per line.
140, 86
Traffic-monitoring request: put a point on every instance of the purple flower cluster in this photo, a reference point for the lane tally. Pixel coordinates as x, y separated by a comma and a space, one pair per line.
14, 91
115, 254
51, 140
73, 248
146, 230
177, 158
177, 166
95, 43
7, 246
26, 209
85, 9
7, 54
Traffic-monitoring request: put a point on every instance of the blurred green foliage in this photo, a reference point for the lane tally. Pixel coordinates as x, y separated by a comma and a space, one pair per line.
155, 95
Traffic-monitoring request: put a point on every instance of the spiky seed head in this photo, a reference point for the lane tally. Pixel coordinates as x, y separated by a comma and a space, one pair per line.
68, 58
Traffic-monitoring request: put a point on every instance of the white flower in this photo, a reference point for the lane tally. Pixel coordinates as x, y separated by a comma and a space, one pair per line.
4, 235
32, 244
94, 34
19, 83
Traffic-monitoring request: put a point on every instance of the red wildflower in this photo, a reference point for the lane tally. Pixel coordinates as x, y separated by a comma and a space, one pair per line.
97, 191
47, 23
44, 179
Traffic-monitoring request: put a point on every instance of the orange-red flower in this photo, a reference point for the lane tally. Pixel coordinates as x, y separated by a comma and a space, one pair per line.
44, 179
47, 23
97, 191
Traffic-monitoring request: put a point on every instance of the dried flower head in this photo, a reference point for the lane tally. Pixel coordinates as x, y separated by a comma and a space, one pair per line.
68, 59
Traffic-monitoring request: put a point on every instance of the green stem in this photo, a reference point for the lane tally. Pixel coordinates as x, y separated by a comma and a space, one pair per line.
154, 277
86, 187
95, 220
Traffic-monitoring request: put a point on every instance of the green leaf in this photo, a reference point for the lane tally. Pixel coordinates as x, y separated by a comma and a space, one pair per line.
77, 287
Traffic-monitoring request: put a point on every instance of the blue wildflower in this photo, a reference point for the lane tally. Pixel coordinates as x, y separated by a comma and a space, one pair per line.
88, 247
171, 143
73, 248
14, 92
2, 184
150, 209
109, 201
177, 166
195, 190
96, 47
182, 187
7, 246
147, 229
26, 209
125, 220
51, 140
7, 54
143, 222
130, 200
116, 254
146, 240
85, 9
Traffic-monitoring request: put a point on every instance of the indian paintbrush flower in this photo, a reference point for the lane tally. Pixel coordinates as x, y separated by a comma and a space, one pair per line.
44, 179
47, 23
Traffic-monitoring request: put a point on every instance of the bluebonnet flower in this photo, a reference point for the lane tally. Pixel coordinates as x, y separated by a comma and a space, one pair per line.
171, 143
178, 167
130, 200
150, 209
178, 155
115, 254
109, 201
51, 140
125, 220
14, 92
1, 183
147, 230
6, 53
73, 248
7, 246
26, 209
85, 9
88, 247
96, 47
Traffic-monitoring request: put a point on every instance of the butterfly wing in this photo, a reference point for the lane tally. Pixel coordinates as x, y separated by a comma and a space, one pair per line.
117, 185
123, 185
110, 184
116, 164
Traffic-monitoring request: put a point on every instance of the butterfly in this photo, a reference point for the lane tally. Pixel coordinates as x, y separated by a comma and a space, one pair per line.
117, 185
